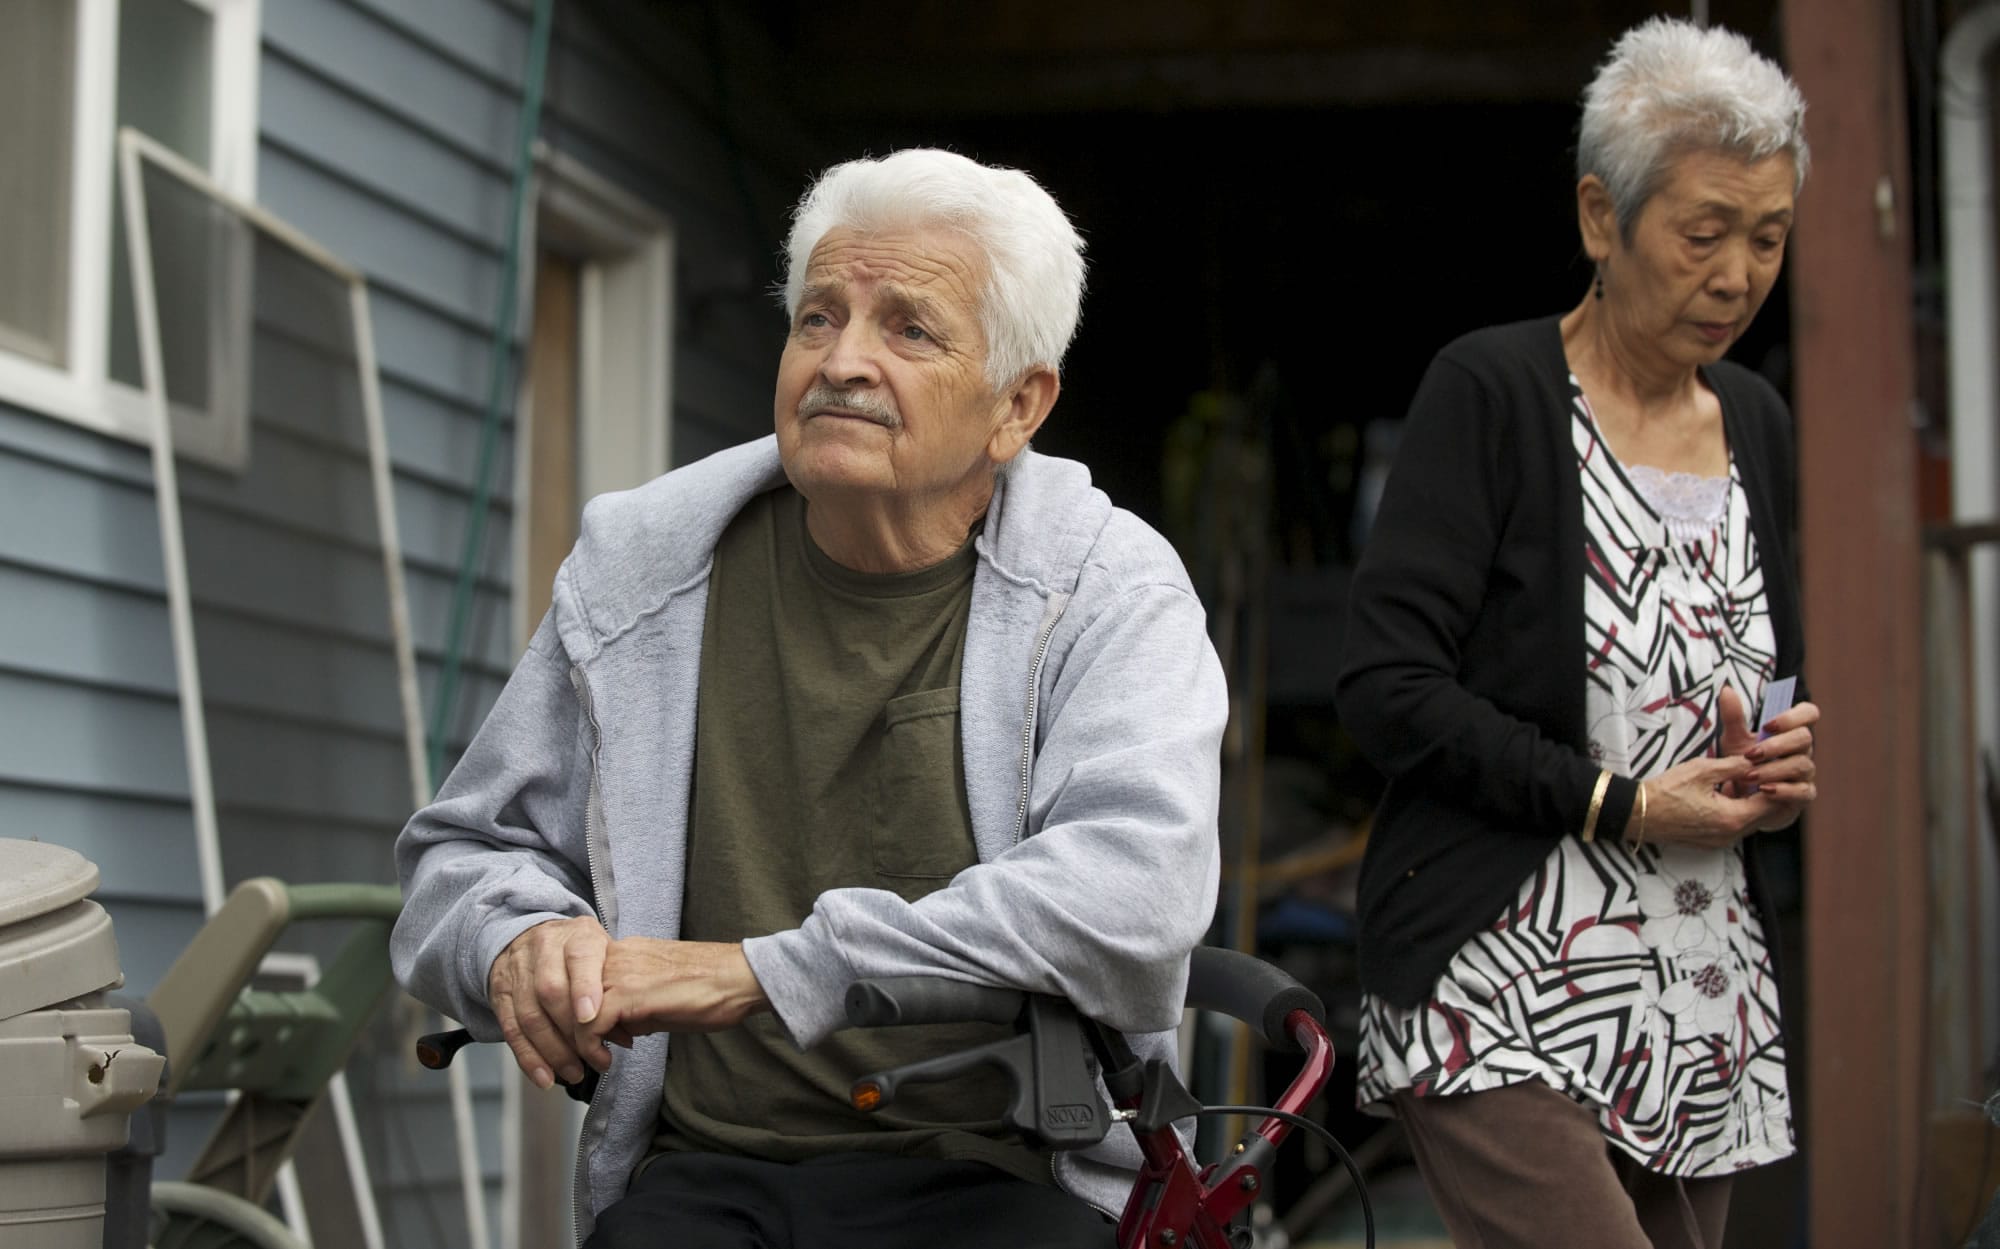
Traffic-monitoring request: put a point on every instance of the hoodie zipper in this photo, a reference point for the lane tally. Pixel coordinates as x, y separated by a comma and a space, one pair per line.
1057, 602
590, 820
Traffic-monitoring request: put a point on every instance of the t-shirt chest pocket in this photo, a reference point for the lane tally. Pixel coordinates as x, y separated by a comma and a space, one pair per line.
922, 831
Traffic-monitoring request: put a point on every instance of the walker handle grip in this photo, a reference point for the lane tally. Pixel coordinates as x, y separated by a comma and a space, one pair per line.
928, 999
1251, 990
436, 1049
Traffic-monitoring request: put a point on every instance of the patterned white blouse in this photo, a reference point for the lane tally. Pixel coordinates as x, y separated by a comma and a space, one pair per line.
1637, 982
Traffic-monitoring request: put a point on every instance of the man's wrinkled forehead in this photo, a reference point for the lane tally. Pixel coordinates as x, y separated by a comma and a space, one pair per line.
891, 298
933, 270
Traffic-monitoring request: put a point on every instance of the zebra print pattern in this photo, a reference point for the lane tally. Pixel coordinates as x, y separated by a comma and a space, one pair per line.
1637, 982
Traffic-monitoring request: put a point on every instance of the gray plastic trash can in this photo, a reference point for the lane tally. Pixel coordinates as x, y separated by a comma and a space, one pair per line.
70, 1072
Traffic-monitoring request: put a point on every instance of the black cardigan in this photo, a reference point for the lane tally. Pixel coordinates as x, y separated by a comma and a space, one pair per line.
1462, 667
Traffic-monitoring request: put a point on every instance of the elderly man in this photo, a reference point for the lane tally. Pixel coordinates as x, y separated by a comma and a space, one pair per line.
886, 694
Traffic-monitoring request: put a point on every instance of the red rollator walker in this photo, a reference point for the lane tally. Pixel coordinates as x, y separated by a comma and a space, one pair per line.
1056, 1058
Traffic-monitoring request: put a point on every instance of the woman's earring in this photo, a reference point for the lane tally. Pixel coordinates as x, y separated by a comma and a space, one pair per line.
1597, 287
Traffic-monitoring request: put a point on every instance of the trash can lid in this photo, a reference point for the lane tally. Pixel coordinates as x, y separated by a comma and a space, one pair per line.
36, 878
56, 945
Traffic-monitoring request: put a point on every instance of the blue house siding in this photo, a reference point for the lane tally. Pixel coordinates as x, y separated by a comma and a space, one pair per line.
386, 134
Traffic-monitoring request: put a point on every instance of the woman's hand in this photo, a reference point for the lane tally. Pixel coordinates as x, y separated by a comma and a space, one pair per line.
1781, 764
1696, 804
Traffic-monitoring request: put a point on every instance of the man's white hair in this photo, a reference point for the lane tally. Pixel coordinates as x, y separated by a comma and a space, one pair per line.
1671, 87
1034, 256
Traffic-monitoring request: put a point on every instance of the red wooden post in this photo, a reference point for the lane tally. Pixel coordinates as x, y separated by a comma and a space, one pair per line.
1866, 870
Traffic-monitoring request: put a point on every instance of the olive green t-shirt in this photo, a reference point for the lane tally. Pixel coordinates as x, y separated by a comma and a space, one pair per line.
826, 757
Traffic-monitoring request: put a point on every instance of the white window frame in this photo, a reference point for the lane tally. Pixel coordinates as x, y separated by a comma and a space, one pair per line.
82, 391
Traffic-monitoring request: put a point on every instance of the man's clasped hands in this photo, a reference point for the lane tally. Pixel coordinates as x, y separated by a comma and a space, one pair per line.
564, 991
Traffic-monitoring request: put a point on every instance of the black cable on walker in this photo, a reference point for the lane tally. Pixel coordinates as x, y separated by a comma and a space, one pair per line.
1319, 1130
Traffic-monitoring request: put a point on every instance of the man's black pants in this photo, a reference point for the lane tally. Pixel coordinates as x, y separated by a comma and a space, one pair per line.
842, 1201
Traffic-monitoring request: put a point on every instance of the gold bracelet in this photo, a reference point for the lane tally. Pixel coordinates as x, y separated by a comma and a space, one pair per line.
1638, 838
1596, 805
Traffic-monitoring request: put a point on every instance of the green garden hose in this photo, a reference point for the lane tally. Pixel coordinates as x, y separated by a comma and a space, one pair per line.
497, 380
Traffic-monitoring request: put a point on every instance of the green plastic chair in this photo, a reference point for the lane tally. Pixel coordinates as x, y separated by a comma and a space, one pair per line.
276, 1050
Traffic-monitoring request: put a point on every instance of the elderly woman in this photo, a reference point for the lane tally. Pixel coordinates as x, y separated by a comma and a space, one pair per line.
1577, 589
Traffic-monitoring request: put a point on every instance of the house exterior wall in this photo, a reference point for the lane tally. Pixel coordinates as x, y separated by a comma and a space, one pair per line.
386, 133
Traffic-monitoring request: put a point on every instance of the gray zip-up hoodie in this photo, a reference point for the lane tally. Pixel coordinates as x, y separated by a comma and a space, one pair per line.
1091, 715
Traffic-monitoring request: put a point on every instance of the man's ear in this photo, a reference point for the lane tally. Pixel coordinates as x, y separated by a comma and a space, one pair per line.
1596, 218
1028, 402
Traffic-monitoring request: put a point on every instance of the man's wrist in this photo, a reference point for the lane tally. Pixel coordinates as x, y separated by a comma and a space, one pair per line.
746, 991
805, 981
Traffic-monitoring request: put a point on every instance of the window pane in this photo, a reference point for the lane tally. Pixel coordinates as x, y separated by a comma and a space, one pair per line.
37, 67
166, 52
165, 61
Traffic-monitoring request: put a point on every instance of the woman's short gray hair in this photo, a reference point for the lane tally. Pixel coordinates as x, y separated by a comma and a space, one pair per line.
1034, 256
1671, 87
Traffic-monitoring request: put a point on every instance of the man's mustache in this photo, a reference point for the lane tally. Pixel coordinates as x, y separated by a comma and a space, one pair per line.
823, 396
